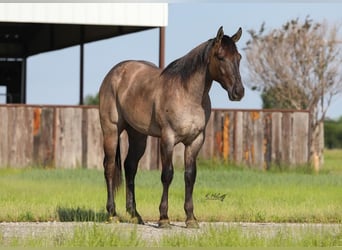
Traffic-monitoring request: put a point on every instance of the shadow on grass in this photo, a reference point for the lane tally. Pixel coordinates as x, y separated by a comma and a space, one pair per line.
80, 215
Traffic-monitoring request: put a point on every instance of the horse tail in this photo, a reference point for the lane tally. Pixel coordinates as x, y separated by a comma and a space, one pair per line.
117, 177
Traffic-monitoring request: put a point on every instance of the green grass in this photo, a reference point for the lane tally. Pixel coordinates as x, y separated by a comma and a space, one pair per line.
222, 193
333, 161
82, 236
236, 237
248, 195
48, 195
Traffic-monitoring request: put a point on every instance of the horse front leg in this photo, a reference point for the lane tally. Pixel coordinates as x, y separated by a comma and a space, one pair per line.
166, 150
191, 152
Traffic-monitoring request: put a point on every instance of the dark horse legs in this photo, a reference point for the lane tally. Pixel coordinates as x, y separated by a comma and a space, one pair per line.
137, 146
112, 176
191, 152
166, 150
112, 169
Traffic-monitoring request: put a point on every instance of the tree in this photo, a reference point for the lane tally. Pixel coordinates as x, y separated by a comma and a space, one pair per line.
297, 66
333, 133
278, 97
92, 100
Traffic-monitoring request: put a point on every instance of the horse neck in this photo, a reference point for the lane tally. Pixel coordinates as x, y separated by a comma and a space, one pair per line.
199, 84
191, 72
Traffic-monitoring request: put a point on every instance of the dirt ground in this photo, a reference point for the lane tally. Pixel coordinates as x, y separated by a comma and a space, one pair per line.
149, 232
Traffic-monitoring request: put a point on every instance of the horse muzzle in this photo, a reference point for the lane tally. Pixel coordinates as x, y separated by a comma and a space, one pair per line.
236, 93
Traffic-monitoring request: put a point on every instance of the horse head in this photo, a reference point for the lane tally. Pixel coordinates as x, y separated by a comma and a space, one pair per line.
224, 64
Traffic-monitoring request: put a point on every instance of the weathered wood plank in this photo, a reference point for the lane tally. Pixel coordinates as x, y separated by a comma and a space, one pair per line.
152, 152
68, 138
92, 153
43, 136
247, 139
239, 137
259, 144
301, 135
20, 128
147, 160
4, 143
267, 140
225, 137
287, 139
218, 136
231, 135
276, 140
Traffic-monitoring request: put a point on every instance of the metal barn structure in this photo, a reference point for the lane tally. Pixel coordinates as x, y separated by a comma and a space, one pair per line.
28, 29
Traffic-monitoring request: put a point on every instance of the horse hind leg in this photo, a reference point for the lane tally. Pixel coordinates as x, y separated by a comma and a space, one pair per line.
112, 167
136, 149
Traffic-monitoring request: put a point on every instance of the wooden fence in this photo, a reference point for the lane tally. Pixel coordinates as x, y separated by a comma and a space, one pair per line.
70, 136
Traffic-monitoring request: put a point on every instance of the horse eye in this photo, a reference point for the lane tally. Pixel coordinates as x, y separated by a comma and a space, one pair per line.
221, 58
240, 57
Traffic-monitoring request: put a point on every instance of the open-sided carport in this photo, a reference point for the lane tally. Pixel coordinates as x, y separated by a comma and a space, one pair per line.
28, 29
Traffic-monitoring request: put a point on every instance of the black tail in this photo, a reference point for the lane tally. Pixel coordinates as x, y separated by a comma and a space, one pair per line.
117, 177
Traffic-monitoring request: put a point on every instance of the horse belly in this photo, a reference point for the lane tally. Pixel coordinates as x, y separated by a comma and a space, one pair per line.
145, 127
141, 118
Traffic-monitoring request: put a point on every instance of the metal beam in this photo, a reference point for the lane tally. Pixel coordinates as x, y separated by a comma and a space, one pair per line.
23, 82
81, 64
161, 47
161, 65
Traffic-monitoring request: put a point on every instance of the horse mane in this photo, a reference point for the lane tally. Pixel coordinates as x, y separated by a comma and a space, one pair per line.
185, 66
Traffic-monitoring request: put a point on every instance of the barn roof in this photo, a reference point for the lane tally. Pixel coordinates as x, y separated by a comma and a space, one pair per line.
27, 29
30, 28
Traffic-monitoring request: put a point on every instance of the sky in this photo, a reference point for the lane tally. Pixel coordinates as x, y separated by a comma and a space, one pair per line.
53, 77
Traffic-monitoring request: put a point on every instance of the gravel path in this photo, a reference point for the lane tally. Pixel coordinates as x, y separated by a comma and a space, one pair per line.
150, 232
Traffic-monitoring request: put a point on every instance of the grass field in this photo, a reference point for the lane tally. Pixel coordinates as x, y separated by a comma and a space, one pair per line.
222, 193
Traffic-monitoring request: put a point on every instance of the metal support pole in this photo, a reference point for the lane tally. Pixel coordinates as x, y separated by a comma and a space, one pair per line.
81, 64
161, 65
23, 88
161, 47
81, 72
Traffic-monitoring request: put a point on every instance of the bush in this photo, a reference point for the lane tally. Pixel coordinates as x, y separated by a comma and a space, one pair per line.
333, 133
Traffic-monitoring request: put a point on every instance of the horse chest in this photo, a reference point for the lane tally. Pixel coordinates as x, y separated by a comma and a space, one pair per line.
188, 126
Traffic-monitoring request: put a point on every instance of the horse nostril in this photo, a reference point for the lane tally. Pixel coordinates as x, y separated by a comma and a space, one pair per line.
239, 91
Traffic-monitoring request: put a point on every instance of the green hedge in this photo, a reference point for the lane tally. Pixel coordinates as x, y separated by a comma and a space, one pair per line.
333, 133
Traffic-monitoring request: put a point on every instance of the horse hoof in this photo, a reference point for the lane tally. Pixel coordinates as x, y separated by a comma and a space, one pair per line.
137, 220
192, 224
113, 220
164, 224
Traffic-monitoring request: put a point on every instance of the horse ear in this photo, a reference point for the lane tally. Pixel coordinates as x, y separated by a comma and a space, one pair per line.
237, 35
219, 35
